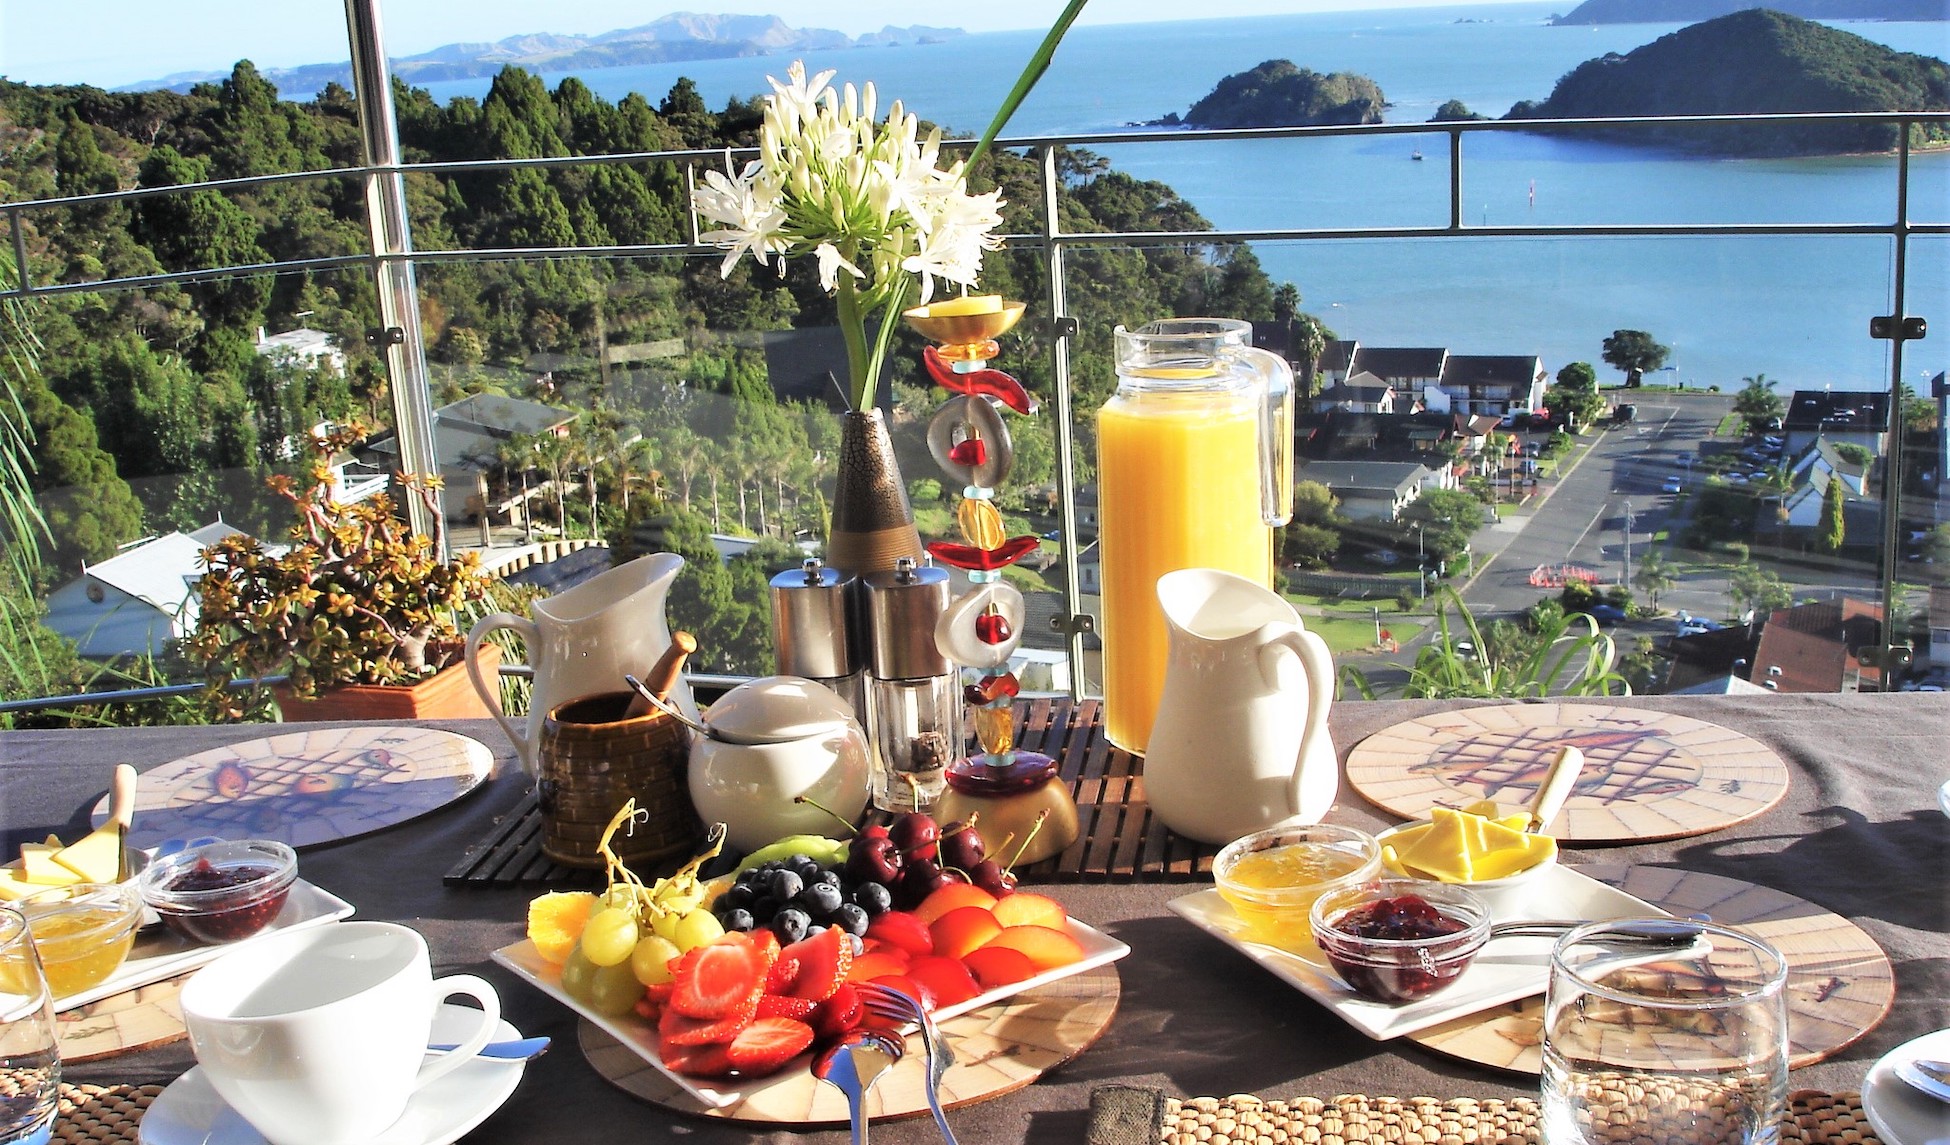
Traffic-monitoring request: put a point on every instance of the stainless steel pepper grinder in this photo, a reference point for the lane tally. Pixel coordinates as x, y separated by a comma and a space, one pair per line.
810, 634
914, 690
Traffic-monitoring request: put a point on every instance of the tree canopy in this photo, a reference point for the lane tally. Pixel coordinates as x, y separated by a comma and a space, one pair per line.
1634, 352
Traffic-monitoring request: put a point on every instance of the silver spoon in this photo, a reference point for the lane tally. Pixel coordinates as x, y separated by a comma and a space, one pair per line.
1931, 1077
852, 1064
519, 1049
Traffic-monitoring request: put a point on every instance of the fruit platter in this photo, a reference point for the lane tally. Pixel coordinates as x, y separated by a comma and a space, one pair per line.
729, 986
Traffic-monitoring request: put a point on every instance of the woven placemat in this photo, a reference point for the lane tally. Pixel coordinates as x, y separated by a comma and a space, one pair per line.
1126, 1115
102, 1114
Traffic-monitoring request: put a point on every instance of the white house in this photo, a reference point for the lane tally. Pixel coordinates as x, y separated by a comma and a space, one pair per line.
313, 349
1362, 393
138, 600
1372, 490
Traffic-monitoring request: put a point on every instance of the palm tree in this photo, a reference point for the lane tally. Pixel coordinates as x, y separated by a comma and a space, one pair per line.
516, 453
1655, 575
555, 454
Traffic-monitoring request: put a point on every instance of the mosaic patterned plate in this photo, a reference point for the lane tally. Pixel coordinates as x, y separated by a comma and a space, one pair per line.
1647, 775
305, 788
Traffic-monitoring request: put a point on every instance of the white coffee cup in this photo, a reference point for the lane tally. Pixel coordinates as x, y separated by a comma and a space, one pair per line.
317, 1037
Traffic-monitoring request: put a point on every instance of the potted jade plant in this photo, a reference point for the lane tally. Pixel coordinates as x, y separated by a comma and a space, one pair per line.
358, 614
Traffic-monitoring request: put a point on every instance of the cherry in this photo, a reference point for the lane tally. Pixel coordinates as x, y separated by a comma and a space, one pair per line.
874, 859
962, 845
991, 877
916, 834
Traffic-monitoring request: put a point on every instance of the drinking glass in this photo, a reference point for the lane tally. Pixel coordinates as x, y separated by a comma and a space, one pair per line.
30, 1061
1686, 1047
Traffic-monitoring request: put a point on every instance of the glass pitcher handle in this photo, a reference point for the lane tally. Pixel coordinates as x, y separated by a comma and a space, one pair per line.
1275, 435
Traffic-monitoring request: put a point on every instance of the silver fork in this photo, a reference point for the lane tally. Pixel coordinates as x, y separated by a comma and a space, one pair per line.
891, 1003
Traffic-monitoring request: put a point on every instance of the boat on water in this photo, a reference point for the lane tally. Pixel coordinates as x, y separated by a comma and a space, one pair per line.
1417, 156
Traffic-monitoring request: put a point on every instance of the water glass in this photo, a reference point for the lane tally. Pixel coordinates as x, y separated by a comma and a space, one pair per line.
30, 1060
1687, 1047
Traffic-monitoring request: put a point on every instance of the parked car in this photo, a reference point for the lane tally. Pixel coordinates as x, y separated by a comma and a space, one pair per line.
1672, 485
1624, 412
1606, 613
1690, 625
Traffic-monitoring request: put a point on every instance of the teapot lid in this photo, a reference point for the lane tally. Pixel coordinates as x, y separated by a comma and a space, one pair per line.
777, 709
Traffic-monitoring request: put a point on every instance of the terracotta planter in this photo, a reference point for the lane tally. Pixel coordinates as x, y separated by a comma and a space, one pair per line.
446, 695
873, 524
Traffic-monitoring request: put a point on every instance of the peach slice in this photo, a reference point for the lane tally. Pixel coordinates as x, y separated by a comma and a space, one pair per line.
951, 897
963, 929
1025, 909
998, 966
946, 978
902, 929
1046, 949
875, 964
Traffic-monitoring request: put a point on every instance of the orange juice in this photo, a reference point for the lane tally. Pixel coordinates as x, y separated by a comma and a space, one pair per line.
1178, 486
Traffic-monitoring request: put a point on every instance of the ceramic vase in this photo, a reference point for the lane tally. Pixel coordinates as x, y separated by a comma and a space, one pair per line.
873, 524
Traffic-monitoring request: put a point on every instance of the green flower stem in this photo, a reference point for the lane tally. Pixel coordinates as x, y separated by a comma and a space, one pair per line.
1031, 73
863, 375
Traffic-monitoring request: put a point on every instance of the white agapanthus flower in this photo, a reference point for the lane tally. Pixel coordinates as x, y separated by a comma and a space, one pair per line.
865, 198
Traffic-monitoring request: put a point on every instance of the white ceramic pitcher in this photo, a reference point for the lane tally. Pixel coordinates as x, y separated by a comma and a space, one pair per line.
1240, 742
582, 641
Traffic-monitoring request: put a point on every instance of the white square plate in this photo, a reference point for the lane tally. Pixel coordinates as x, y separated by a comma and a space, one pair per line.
162, 953
641, 1036
1504, 970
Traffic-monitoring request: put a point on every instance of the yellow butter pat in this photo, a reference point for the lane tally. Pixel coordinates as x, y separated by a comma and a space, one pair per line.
97, 857
14, 884
38, 865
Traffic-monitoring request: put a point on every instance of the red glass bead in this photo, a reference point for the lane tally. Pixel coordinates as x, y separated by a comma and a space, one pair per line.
983, 560
972, 451
985, 383
1000, 684
992, 628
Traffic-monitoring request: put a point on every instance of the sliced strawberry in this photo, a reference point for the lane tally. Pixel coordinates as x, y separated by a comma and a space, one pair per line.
765, 1046
718, 979
823, 961
779, 979
785, 1006
677, 1029
901, 929
766, 942
838, 1014
646, 1009
697, 1061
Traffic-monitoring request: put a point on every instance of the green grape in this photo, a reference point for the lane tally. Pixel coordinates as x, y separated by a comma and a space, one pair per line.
664, 925
609, 936
650, 961
621, 896
613, 990
698, 928
579, 976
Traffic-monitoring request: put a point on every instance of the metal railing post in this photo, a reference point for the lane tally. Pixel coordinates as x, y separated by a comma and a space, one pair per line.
1062, 329
400, 338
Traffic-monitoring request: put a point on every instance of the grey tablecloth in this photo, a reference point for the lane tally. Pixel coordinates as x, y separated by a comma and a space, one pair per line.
1858, 833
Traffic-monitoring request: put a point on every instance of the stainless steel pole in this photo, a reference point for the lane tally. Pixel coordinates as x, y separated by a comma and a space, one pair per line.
400, 337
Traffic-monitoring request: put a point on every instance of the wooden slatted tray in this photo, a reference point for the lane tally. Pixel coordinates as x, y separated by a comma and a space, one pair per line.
1120, 841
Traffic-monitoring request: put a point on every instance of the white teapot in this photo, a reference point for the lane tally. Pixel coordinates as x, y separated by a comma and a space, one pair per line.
1240, 743
768, 741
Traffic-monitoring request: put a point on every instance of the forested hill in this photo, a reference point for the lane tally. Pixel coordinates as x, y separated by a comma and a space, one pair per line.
152, 411
1278, 93
1691, 11
1754, 62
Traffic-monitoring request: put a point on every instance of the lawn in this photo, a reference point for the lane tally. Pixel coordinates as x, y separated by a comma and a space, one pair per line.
1358, 635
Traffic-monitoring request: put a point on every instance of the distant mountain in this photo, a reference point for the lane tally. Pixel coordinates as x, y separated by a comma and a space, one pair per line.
1691, 11
1279, 93
1754, 62
679, 36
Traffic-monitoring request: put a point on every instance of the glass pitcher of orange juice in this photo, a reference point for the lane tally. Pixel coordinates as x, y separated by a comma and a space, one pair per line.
1194, 470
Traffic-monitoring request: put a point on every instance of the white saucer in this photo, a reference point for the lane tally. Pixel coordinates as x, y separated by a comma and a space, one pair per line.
1943, 797
189, 1112
1900, 1114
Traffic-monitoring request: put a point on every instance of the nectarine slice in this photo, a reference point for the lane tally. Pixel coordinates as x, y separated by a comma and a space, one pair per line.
1047, 949
946, 978
997, 966
951, 897
905, 930
874, 964
963, 929
1025, 909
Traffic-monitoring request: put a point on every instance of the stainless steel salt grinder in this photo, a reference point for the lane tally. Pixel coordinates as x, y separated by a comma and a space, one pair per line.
810, 635
914, 690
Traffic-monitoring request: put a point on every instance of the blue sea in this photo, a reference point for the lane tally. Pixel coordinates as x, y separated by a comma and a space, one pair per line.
1796, 309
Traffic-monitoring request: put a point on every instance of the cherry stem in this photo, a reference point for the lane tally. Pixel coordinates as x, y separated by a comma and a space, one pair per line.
806, 799
965, 824
1041, 816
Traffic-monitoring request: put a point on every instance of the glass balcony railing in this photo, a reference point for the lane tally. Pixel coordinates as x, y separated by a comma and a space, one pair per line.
699, 418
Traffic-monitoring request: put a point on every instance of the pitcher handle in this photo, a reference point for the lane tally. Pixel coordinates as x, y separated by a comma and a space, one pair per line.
1275, 435
524, 748
1318, 665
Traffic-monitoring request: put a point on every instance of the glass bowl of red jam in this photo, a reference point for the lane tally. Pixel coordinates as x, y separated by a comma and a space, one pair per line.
1400, 940
221, 892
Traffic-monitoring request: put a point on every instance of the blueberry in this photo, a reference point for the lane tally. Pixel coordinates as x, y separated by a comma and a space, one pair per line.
873, 898
805, 866
859, 944
815, 929
737, 919
831, 877
790, 924
764, 906
740, 896
820, 899
851, 917
786, 885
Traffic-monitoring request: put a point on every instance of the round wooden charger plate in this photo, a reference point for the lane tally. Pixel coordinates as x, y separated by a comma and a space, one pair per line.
1840, 984
998, 1049
305, 788
124, 1023
1647, 775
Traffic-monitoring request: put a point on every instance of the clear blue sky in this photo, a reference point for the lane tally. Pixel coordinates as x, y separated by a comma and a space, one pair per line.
116, 42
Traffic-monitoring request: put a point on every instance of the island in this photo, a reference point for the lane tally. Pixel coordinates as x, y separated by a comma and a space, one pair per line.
1692, 11
1279, 93
1755, 62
